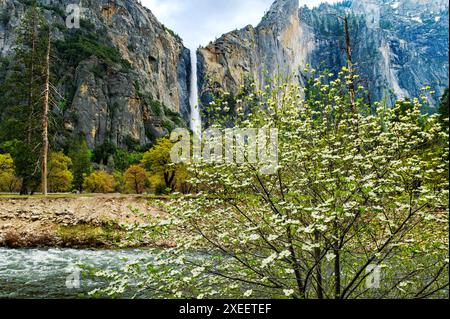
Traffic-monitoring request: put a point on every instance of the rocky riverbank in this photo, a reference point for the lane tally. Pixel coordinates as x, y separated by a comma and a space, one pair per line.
75, 222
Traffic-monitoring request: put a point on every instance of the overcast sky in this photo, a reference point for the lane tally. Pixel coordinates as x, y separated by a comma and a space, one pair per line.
200, 21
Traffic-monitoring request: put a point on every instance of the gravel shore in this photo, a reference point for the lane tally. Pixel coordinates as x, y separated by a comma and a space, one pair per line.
72, 221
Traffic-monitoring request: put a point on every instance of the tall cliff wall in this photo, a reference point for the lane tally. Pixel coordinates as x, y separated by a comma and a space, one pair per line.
138, 98
399, 46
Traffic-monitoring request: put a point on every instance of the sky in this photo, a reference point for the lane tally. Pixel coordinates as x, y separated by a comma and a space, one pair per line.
200, 21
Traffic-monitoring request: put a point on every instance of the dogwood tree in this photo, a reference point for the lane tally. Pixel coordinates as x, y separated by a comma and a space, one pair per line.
357, 206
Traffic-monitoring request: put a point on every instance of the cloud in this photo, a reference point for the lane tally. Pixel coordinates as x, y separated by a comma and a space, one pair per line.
164, 9
200, 21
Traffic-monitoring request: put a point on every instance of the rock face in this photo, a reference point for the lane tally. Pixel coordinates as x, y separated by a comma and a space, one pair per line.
139, 99
275, 45
124, 77
399, 46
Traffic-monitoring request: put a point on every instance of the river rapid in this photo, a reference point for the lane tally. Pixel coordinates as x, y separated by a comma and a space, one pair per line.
53, 273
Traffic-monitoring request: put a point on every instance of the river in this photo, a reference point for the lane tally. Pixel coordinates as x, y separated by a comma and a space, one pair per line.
53, 273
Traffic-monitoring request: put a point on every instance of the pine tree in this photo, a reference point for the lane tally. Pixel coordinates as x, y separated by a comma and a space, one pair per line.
81, 163
25, 99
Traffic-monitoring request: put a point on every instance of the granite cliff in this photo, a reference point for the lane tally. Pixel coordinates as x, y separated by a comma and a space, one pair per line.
124, 76
399, 46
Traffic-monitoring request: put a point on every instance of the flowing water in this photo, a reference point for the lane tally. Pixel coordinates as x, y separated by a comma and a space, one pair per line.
196, 122
49, 273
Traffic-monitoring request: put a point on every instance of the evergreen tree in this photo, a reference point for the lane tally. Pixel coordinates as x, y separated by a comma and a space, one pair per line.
23, 102
81, 163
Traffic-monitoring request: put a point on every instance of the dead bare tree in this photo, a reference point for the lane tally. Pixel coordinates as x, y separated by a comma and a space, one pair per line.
45, 109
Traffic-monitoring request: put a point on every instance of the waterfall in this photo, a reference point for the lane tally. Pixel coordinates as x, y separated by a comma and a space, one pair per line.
196, 122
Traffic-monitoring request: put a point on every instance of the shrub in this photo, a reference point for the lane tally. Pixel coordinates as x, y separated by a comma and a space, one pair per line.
81, 236
118, 181
87, 25
168, 125
131, 143
156, 107
56, 9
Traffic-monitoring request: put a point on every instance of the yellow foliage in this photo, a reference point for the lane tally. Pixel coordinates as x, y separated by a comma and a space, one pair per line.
99, 182
165, 175
8, 181
59, 176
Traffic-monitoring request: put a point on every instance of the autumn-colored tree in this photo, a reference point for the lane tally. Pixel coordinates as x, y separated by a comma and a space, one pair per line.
8, 181
99, 182
164, 173
59, 175
135, 179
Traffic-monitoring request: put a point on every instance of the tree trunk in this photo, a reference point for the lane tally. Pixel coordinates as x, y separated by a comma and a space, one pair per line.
136, 185
45, 119
317, 257
30, 85
169, 179
296, 265
337, 264
24, 187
